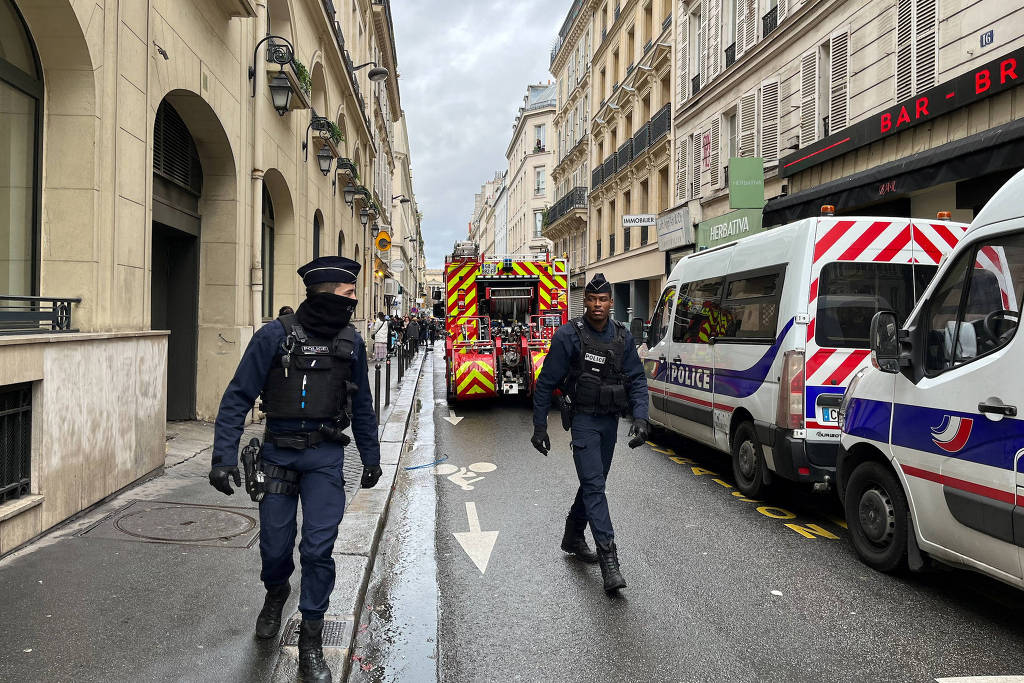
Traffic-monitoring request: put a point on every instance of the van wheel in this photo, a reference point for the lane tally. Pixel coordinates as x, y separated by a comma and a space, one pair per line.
748, 466
876, 512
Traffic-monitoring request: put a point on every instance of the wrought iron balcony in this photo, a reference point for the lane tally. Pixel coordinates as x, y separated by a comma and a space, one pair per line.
695, 82
730, 55
660, 123
642, 139
609, 166
596, 177
625, 154
35, 314
576, 198
770, 21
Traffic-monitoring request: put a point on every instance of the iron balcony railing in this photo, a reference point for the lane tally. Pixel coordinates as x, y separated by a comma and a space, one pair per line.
15, 441
770, 21
642, 139
35, 314
596, 178
625, 154
576, 198
695, 82
730, 55
660, 123
609, 166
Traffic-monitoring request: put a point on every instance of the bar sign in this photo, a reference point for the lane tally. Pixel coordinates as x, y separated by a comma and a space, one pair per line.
987, 38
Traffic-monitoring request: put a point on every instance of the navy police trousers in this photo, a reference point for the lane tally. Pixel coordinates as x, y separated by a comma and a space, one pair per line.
322, 493
593, 441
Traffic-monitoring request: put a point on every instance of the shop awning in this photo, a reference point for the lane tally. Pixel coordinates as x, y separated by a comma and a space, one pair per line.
997, 149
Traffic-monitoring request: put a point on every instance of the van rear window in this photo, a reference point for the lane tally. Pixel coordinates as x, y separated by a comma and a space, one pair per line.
849, 295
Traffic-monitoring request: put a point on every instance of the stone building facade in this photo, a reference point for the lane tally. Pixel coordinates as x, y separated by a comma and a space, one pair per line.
529, 156
166, 199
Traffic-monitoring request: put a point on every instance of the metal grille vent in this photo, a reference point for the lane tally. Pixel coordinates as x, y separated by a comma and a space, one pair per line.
511, 293
335, 633
15, 441
174, 151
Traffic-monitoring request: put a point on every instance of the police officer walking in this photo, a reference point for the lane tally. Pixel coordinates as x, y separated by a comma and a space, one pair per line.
593, 360
310, 371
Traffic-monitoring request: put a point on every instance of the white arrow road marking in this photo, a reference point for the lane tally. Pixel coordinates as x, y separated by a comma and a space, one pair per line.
452, 419
477, 544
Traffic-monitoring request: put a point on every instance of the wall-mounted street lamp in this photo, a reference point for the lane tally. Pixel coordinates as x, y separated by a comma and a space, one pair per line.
402, 198
364, 216
317, 123
325, 157
377, 73
280, 88
374, 230
349, 194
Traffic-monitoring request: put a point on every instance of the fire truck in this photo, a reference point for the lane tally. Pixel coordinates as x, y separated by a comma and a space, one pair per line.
501, 312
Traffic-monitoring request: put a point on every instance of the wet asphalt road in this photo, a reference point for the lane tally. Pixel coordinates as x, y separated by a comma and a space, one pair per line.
720, 588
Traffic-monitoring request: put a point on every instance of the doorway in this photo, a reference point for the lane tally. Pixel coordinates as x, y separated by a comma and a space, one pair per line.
175, 307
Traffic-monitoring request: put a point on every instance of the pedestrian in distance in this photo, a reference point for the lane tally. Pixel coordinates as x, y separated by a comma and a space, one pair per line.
593, 360
413, 334
379, 332
310, 371
432, 326
424, 331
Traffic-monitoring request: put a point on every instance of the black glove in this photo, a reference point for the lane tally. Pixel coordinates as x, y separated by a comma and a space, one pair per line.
540, 439
220, 476
639, 431
370, 476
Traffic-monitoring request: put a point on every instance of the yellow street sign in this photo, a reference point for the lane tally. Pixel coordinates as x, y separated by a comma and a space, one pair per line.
383, 241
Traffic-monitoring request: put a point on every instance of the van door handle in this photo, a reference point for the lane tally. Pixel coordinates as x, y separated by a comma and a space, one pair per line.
678, 359
661, 359
998, 409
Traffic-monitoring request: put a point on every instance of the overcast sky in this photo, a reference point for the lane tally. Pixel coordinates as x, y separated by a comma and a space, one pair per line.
464, 68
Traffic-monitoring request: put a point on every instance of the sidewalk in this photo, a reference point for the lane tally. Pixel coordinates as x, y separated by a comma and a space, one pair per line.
161, 583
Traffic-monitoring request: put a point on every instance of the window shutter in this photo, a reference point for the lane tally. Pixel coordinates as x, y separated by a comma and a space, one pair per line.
926, 45
809, 98
702, 41
696, 180
752, 22
904, 49
683, 55
782, 10
770, 120
682, 159
747, 118
716, 141
715, 54
838, 97
741, 22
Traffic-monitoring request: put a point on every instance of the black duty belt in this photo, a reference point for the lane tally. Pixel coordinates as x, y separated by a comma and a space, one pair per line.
296, 440
280, 480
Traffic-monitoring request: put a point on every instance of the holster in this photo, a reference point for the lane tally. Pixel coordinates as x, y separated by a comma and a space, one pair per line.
565, 408
255, 480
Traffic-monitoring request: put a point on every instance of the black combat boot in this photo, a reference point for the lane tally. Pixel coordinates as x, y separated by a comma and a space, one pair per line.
312, 666
608, 555
575, 543
268, 623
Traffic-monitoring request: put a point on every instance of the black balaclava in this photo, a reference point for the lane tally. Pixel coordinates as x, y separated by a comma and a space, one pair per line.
325, 314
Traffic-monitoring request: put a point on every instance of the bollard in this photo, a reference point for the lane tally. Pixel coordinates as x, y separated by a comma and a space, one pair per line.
387, 383
400, 362
376, 391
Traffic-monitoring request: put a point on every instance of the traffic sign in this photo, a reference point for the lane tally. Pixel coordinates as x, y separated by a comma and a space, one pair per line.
383, 241
397, 266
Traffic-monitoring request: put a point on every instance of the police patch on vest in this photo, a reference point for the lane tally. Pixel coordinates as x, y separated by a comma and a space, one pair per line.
594, 358
316, 349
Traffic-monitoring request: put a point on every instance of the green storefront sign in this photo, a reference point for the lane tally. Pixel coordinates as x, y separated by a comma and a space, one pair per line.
728, 227
746, 183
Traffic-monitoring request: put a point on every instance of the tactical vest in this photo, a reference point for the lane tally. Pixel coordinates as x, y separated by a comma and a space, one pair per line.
313, 378
596, 381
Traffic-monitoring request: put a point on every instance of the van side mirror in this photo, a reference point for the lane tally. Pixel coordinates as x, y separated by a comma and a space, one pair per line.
884, 339
636, 328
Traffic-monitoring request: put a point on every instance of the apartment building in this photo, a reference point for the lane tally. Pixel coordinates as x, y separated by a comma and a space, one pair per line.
879, 107
482, 228
631, 84
529, 156
168, 166
565, 223
406, 236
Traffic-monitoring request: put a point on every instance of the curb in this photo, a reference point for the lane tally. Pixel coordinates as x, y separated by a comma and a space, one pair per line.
355, 549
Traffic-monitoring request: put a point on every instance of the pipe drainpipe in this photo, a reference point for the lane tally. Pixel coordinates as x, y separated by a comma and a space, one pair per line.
256, 256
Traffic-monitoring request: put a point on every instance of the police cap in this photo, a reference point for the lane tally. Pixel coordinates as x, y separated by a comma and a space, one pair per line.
329, 269
598, 285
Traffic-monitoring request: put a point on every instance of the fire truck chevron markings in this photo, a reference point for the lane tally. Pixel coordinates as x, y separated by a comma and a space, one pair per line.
477, 544
452, 419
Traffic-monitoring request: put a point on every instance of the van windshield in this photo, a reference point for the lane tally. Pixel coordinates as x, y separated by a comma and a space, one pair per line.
849, 295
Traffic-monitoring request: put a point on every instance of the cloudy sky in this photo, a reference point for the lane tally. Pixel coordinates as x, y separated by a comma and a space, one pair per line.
464, 68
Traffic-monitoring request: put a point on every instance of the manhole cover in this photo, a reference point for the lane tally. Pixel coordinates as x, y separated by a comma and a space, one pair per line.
181, 523
335, 633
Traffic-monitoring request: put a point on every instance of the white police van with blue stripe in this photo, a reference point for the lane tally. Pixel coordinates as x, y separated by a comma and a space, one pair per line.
753, 343
932, 451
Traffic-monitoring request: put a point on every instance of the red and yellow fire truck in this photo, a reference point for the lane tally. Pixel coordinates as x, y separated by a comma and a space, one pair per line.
501, 314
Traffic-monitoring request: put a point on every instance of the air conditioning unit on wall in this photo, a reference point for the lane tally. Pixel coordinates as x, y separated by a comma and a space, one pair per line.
390, 287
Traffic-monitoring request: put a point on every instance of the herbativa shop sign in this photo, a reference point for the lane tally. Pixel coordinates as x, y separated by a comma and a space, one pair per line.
728, 227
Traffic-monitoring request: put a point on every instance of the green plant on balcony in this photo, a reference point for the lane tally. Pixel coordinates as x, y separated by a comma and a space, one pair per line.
334, 132
545, 222
302, 74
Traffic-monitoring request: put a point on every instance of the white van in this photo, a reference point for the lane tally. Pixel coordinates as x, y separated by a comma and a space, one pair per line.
753, 343
932, 443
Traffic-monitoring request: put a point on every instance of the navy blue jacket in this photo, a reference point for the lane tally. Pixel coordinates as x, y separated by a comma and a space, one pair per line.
565, 352
248, 382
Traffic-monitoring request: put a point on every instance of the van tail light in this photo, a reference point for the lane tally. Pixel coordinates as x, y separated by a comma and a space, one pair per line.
790, 414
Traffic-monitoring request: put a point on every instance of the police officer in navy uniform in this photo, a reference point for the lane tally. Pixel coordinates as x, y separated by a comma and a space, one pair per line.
310, 371
593, 360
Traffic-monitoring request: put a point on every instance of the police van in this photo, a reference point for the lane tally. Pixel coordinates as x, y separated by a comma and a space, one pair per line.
931, 459
753, 343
